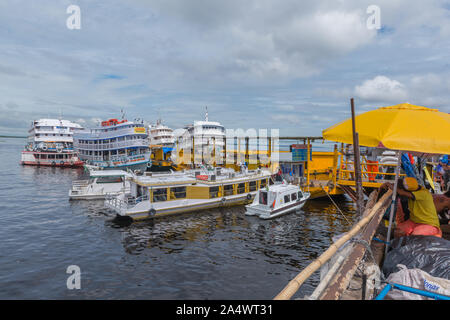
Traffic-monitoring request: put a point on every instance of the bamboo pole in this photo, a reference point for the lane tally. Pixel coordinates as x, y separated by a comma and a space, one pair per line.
295, 283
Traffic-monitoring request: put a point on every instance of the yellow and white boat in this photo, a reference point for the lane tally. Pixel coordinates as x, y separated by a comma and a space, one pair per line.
153, 195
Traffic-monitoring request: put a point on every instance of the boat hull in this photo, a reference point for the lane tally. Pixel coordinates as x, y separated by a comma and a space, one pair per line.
33, 158
270, 214
185, 208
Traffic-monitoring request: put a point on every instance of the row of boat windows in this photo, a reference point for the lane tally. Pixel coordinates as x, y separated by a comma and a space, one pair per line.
160, 194
287, 198
52, 156
116, 128
52, 128
52, 135
113, 152
106, 141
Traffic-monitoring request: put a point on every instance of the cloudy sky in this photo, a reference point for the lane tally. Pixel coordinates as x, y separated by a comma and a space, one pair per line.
285, 64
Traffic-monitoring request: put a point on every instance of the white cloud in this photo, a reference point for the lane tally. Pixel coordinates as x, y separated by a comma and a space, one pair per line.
381, 88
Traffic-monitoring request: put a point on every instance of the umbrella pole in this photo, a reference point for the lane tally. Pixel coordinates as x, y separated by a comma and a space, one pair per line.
357, 164
394, 198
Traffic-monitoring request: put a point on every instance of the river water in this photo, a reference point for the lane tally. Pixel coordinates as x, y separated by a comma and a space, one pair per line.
215, 254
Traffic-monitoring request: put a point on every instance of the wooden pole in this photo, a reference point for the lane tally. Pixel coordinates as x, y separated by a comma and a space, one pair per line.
394, 198
357, 163
308, 150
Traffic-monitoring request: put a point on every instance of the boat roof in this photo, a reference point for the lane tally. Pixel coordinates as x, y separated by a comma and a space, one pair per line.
189, 178
109, 173
283, 187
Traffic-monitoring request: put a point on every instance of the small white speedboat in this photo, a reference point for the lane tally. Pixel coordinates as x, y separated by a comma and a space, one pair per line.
100, 184
276, 200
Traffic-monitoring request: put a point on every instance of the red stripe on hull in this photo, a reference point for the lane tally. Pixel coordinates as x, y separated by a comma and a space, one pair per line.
66, 164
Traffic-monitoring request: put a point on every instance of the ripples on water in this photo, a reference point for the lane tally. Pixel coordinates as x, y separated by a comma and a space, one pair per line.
215, 254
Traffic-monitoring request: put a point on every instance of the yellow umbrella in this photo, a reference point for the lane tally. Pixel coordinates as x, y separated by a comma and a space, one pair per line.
401, 127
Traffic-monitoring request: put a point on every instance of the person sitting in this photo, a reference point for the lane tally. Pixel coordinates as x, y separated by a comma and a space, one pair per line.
442, 204
423, 219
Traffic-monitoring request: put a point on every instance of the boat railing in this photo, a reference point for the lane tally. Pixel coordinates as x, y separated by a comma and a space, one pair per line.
114, 145
371, 171
125, 203
79, 185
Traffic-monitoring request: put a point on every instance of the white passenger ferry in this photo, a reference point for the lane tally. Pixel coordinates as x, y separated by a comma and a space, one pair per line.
114, 145
203, 137
50, 143
163, 194
276, 200
161, 135
100, 184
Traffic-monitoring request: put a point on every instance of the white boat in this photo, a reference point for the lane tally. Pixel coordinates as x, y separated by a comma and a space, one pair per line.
50, 143
114, 145
276, 200
161, 135
154, 195
100, 184
203, 137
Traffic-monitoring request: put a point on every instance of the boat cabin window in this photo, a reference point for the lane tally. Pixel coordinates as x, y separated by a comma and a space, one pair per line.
241, 188
263, 183
287, 198
178, 193
109, 179
300, 195
213, 192
263, 197
159, 194
228, 190
252, 185
293, 196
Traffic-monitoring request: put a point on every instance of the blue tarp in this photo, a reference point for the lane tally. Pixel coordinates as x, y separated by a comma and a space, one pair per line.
167, 149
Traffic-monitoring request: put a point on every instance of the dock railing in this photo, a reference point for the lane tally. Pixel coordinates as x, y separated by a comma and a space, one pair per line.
372, 172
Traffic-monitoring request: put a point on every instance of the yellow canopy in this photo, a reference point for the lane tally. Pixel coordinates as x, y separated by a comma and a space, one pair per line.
401, 127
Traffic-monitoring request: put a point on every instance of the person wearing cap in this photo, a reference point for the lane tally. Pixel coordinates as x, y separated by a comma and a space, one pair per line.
423, 219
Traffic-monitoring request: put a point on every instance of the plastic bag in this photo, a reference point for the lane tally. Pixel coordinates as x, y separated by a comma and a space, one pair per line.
428, 253
418, 279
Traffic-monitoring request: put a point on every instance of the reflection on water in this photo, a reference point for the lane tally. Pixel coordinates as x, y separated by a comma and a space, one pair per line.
214, 254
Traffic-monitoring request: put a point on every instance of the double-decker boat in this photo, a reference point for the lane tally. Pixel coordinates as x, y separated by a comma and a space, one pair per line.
154, 195
50, 143
161, 135
115, 144
203, 137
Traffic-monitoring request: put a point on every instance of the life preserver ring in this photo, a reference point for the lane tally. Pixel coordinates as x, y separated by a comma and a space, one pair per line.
53, 163
61, 163
151, 212
44, 147
249, 196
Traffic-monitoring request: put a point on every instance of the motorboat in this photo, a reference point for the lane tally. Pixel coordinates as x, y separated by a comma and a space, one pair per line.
276, 200
100, 184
